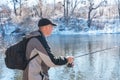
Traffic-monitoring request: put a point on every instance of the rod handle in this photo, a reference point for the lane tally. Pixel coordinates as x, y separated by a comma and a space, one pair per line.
70, 65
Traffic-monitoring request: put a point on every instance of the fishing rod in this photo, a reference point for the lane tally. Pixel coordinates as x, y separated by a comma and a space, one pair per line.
71, 65
96, 51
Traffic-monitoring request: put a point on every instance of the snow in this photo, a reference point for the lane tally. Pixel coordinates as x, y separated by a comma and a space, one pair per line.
109, 26
9, 29
7, 74
77, 27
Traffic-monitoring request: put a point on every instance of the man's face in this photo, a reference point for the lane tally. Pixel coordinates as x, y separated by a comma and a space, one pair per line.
46, 30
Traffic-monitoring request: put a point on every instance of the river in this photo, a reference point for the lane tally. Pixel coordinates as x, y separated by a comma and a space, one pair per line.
103, 65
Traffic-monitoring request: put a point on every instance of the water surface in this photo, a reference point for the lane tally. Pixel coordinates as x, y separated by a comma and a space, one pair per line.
103, 65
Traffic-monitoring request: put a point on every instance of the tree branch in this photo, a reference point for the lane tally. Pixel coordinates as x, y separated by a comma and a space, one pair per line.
99, 5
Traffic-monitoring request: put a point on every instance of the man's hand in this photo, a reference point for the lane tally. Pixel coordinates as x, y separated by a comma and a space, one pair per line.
70, 60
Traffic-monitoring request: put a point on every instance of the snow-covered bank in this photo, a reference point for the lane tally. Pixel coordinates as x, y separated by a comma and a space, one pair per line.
79, 26
90, 32
75, 27
5, 73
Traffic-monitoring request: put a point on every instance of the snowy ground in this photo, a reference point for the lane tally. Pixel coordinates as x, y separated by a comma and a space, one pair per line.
5, 73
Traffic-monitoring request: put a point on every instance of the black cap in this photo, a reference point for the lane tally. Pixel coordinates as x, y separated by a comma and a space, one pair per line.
45, 21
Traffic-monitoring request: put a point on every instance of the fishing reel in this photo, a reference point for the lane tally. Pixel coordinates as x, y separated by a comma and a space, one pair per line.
70, 65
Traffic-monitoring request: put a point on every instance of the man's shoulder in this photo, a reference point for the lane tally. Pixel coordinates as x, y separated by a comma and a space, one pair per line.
33, 34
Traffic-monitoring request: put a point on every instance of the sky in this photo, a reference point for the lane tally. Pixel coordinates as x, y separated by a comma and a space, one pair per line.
32, 2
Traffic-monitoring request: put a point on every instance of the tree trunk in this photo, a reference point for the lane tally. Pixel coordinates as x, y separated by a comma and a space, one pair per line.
119, 11
119, 15
91, 8
89, 19
40, 6
15, 11
20, 9
64, 9
67, 6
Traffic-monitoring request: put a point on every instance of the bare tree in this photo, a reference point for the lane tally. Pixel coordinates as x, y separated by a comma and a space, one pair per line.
40, 6
69, 8
73, 5
118, 4
35, 9
119, 8
54, 7
92, 8
38, 9
17, 4
20, 7
66, 9
14, 4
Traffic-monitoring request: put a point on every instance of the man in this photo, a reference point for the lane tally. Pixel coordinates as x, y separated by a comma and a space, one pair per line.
38, 67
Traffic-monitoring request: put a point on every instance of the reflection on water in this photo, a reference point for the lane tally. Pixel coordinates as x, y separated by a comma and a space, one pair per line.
102, 65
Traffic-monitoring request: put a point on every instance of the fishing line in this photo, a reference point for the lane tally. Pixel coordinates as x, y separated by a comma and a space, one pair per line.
96, 51
71, 64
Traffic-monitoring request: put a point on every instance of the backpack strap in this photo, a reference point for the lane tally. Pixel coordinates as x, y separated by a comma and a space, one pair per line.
41, 39
33, 57
37, 53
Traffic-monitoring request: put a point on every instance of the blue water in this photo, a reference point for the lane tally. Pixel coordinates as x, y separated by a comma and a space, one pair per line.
103, 65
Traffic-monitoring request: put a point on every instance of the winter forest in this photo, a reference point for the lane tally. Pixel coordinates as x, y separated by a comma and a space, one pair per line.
70, 15
88, 30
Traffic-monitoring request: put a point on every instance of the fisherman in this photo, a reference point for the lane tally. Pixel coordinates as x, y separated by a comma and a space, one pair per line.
38, 68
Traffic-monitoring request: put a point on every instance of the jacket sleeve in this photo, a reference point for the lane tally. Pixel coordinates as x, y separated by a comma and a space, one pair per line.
48, 58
